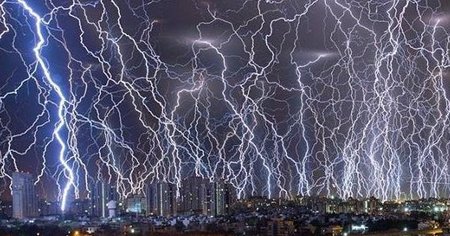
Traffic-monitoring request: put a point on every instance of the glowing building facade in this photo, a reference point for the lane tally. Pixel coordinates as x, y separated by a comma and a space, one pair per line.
24, 196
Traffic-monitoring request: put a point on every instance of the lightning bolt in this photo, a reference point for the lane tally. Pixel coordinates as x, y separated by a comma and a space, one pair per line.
62, 100
263, 95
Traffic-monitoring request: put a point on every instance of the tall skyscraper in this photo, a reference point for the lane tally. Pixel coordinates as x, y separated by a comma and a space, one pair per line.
217, 198
101, 194
161, 199
225, 196
192, 194
24, 196
208, 198
200, 196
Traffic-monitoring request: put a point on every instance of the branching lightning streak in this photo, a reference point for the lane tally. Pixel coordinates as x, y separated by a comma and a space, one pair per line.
266, 95
57, 89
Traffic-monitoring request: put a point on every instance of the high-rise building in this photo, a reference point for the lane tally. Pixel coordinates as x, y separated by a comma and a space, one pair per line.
191, 195
101, 194
200, 196
226, 195
49, 208
161, 199
24, 196
6, 208
217, 198
208, 197
80, 207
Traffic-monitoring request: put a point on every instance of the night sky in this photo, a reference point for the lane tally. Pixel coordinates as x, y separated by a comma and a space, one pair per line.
279, 98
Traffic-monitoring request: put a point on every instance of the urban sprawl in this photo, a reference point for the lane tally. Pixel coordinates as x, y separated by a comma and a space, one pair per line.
211, 208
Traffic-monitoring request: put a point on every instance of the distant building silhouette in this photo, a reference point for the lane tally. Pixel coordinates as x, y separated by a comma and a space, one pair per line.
80, 207
24, 196
191, 199
49, 208
6, 208
217, 198
101, 194
161, 199
200, 196
136, 204
197, 196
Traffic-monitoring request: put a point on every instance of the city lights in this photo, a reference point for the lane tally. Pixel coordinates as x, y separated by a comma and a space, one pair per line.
163, 108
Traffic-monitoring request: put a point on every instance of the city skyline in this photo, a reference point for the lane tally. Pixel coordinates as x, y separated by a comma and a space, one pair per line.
197, 197
268, 98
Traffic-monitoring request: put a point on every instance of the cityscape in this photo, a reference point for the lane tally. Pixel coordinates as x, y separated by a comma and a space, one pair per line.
224, 117
211, 208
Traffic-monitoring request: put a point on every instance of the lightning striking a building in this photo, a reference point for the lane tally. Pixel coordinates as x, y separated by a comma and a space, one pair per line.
278, 98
